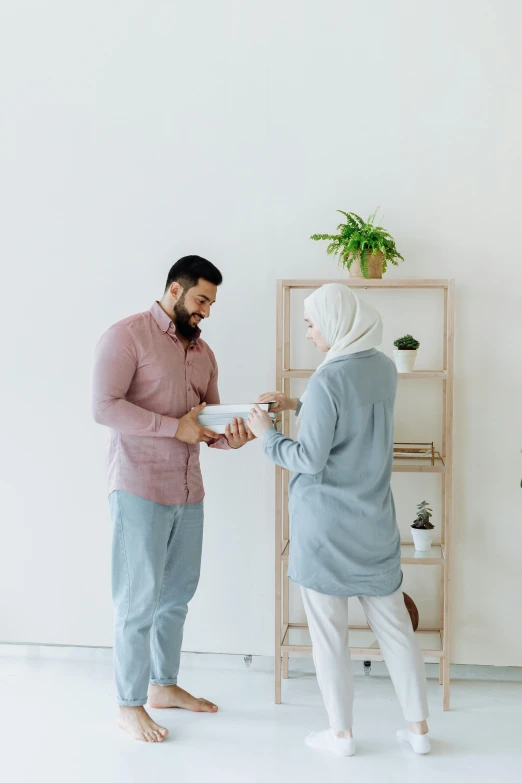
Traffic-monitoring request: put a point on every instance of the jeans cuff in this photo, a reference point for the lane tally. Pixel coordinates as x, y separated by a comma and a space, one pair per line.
173, 681
132, 702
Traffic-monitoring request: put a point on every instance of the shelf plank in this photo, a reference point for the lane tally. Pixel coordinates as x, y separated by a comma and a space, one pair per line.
298, 373
418, 466
362, 643
423, 375
416, 375
409, 555
358, 282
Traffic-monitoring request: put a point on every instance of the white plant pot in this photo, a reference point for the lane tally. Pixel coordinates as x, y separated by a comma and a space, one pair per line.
405, 360
422, 539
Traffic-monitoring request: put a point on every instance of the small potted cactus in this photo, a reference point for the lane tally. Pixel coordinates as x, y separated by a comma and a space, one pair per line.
422, 529
405, 353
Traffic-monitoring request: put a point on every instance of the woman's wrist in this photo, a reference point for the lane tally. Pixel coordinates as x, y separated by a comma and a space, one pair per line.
294, 403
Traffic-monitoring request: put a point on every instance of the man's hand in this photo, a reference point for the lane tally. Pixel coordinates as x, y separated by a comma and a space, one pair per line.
282, 402
190, 430
259, 421
237, 435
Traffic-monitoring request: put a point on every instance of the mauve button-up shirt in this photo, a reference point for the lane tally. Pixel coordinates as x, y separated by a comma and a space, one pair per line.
143, 383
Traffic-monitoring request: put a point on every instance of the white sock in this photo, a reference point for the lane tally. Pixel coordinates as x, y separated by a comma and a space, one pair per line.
326, 740
419, 742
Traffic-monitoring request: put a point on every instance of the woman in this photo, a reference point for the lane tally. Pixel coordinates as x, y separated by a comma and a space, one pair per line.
345, 539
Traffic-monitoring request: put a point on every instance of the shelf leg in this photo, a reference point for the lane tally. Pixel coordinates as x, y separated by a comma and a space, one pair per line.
286, 603
441, 672
446, 684
277, 678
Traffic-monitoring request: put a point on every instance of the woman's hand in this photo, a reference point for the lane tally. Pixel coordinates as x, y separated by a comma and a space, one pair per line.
259, 421
237, 435
282, 402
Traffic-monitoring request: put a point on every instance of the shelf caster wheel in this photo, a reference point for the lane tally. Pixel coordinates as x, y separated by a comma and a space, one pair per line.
248, 661
367, 668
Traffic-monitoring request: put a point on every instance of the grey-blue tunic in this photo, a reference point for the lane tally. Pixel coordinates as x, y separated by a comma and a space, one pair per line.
344, 535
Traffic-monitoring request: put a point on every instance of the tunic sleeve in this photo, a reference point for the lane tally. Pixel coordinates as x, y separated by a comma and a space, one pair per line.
308, 454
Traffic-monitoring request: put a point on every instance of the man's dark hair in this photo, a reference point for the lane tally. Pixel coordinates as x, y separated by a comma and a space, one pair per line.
189, 269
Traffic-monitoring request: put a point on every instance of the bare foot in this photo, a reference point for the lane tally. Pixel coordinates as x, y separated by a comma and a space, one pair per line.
140, 725
164, 696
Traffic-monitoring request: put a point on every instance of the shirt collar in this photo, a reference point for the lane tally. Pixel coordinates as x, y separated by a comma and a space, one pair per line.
165, 322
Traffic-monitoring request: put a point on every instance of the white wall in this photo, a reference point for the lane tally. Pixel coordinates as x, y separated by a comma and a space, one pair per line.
136, 132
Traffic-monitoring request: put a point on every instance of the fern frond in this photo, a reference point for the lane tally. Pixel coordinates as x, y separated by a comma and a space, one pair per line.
364, 264
372, 216
323, 236
358, 218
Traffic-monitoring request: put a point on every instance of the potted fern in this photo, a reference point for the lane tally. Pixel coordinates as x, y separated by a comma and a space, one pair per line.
362, 247
405, 353
422, 529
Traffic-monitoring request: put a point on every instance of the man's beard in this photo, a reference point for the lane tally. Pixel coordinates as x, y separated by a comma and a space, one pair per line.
183, 325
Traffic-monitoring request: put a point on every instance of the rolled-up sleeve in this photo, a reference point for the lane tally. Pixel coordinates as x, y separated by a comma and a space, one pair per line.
212, 398
115, 364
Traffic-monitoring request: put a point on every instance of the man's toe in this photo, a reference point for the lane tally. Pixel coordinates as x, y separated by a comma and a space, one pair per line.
208, 706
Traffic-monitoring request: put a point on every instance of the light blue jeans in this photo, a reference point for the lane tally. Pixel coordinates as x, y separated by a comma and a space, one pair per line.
156, 559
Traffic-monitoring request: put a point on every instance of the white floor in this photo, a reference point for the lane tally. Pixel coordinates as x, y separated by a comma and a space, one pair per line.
58, 724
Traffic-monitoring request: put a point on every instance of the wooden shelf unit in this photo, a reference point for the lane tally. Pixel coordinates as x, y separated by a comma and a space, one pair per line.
293, 638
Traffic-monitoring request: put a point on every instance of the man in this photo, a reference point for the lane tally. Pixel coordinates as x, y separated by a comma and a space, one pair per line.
152, 376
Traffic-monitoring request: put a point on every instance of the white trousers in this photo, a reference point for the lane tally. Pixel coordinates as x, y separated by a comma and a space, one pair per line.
389, 619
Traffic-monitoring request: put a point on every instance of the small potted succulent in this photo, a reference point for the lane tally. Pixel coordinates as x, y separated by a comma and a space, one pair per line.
362, 247
422, 529
405, 353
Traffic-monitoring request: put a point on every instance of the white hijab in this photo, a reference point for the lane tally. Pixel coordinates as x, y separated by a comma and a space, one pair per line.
348, 324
